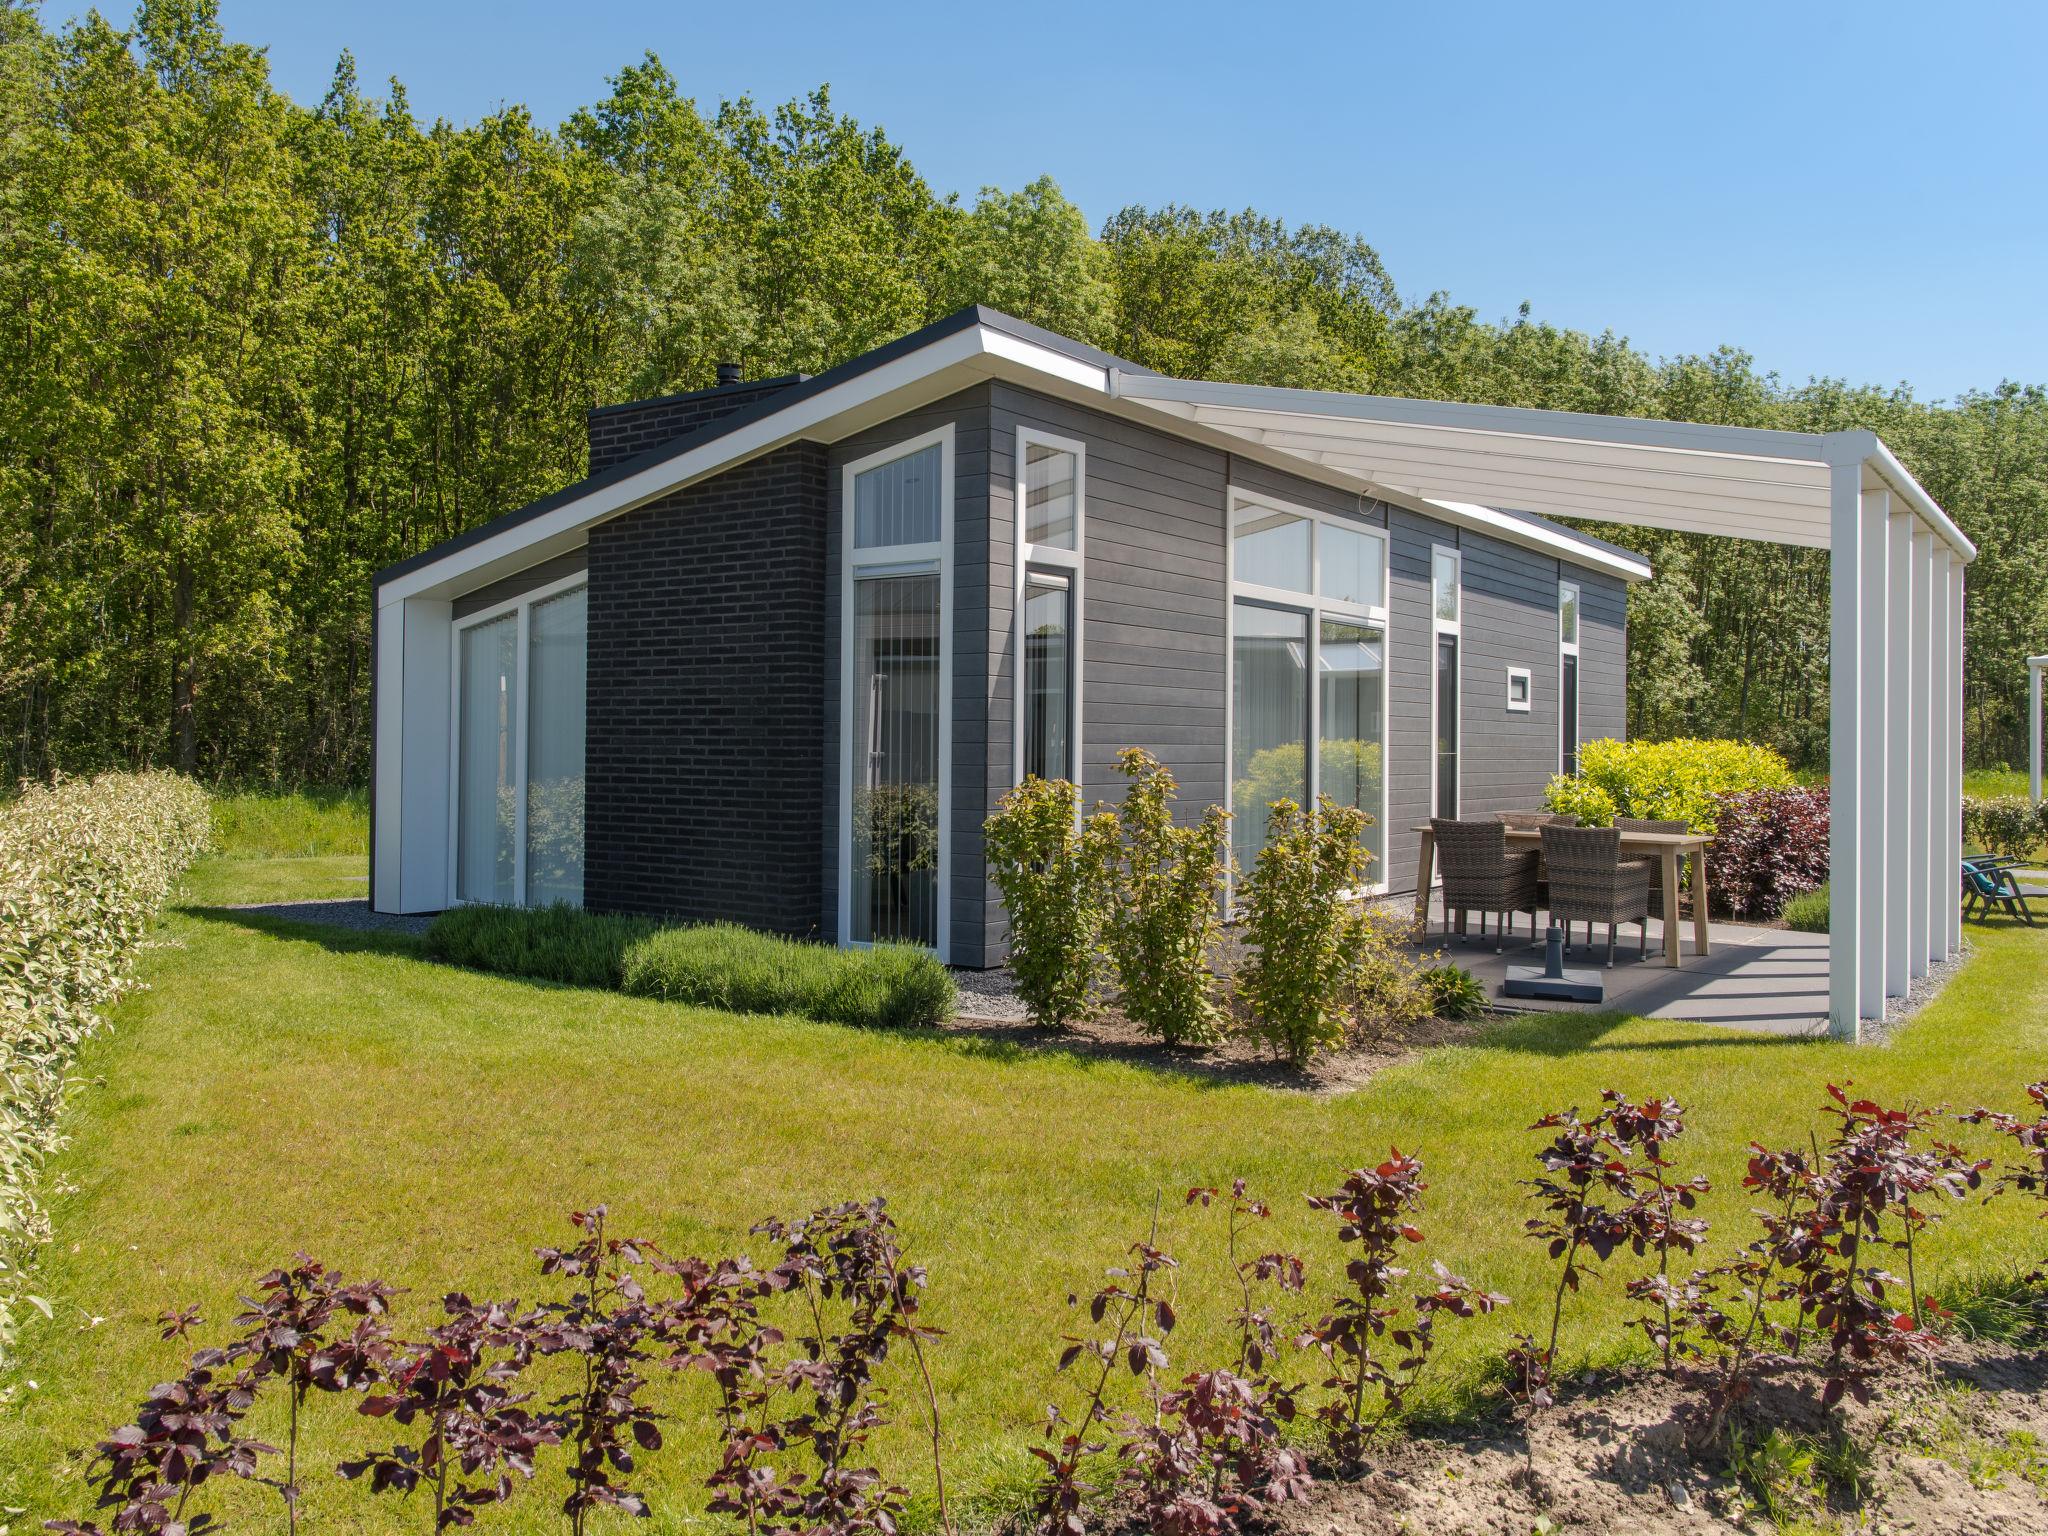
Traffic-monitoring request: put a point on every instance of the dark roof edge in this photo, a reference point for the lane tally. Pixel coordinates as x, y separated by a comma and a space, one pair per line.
768, 405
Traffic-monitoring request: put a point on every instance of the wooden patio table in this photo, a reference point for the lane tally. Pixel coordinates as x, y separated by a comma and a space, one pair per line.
1667, 848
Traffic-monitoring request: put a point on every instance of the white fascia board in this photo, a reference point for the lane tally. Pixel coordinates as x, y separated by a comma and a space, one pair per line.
974, 353
1862, 446
1562, 542
1515, 421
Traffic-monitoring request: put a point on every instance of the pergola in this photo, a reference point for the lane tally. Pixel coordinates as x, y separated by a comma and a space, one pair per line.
2036, 665
1896, 645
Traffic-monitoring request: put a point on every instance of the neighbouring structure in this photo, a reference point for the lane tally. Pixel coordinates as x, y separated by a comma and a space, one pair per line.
778, 656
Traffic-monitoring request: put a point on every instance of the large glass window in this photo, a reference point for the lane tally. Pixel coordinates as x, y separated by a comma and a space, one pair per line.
1351, 728
898, 502
894, 713
1270, 548
487, 774
895, 854
1288, 739
556, 635
519, 731
1354, 566
1048, 676
1051, 495
1269, 703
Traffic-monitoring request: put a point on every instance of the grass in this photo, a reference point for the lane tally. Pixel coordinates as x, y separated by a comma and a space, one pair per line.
1808, 911
292, 824
280, 1087
714, 965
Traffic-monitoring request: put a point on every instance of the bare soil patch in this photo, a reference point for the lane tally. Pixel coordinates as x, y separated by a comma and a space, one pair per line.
1962, 1451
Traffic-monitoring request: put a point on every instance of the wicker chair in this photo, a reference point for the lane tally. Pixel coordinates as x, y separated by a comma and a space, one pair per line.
1480, 875
1591, 883
1654, 866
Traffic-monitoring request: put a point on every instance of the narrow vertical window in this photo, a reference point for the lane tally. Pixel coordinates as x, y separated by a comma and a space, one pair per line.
1568, 678
895, 719
1048, 676
1446, 573
1269, 703
1049, 596
556, 643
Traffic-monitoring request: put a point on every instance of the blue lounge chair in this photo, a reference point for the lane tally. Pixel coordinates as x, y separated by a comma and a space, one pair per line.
1989, 884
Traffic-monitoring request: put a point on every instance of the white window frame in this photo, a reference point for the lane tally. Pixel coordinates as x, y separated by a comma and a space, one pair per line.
1439, 626
1050, 560
1316, 607
1520, 675
523, 605
1569, 648
897, 560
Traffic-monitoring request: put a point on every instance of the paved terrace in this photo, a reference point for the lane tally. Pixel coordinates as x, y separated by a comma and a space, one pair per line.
1770, 980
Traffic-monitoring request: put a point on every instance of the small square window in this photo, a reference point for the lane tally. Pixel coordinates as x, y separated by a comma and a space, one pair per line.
1518, 689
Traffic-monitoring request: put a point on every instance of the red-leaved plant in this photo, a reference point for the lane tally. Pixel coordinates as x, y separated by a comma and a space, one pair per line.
2028, 1175
1374, 1343
611, 1328
1656, 1213
1127, 1306
1214, 1452
458, 1386
186, 1431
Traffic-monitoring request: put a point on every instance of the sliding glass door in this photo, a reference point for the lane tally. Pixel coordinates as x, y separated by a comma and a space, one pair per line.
1351, 721
519, 729
1268, 719
487, 773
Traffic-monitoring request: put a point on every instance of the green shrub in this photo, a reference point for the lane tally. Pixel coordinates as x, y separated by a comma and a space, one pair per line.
290, 824
556, 943
1301, 932
1162, 922
721, 965
1581, 798
2005, 824
1667, 780
85, 867
1054, 873
1808, 911
1453, 992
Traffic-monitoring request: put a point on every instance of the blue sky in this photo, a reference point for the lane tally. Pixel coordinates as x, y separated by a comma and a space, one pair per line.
1856, 190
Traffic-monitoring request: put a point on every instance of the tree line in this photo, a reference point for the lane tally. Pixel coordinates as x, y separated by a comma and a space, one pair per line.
256, 350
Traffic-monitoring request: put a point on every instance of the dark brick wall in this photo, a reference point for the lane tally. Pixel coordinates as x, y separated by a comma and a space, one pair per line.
706, 765
618, 432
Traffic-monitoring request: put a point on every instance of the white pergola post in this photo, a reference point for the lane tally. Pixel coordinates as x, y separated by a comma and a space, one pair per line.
1846, 561
2036, 665
1942, 876
1923, 813
1897, 744
1952, 824
1875, 796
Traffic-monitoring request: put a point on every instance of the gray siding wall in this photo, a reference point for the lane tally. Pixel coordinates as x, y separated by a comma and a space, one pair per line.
1509, 619
968, 414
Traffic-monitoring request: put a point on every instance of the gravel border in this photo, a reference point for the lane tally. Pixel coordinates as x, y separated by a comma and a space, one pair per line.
351, 912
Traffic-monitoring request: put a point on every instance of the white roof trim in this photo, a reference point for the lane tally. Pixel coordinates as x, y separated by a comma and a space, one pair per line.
1743, 482
1462, 463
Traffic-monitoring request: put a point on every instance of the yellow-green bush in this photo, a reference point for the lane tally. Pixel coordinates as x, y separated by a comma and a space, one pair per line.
1665, 780
85, 866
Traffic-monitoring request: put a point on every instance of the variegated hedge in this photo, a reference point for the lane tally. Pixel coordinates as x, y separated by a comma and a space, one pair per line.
85, 867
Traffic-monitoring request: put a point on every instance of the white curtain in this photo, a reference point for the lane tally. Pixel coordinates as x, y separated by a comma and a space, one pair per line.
554, 753
488, 770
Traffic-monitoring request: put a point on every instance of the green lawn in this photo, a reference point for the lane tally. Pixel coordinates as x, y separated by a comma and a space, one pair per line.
277, 1088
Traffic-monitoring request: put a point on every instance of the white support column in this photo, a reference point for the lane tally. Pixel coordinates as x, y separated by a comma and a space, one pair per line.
1845, 720
1922, 815
1945, 881
1896, 743
2036, 665
1875, 805
1952, 905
